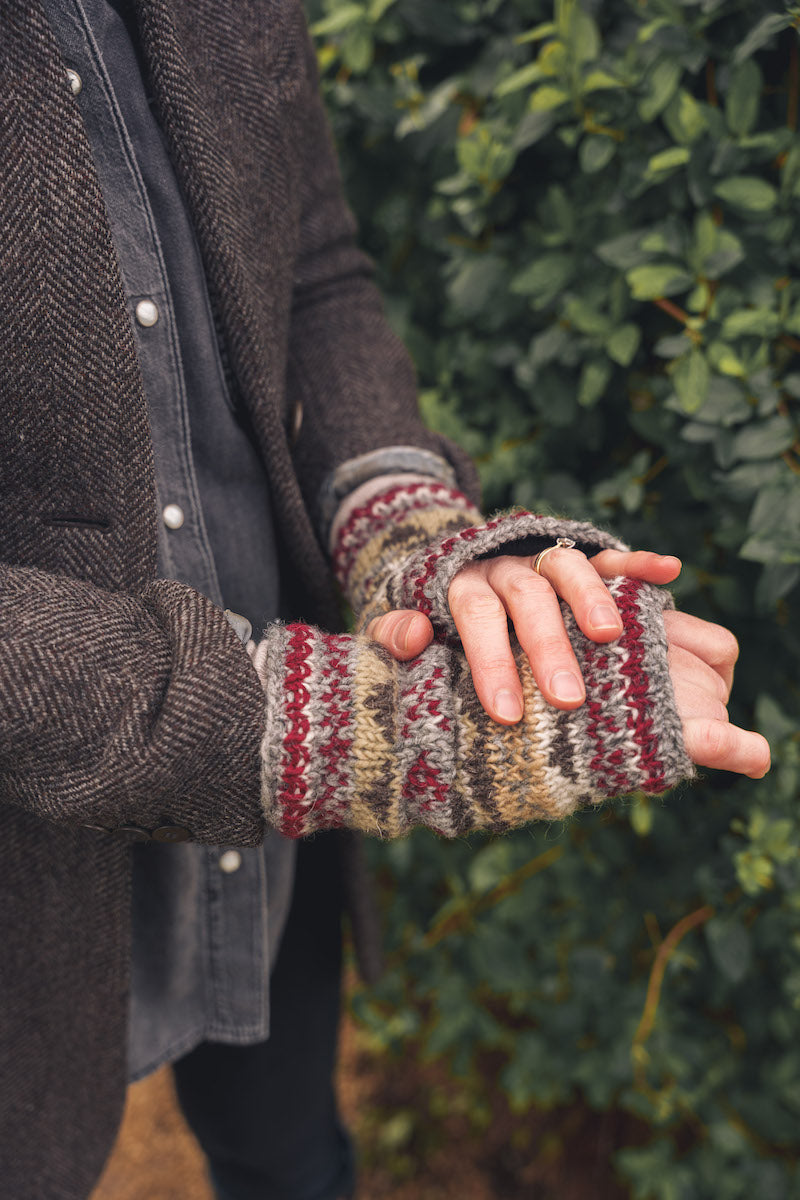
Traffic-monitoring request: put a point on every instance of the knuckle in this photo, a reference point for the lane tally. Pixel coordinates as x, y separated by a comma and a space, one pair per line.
520, 588
714, 739
478, 607
725, 645
552, 647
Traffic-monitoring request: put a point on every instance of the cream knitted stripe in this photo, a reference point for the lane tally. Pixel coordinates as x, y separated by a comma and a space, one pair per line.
386, 529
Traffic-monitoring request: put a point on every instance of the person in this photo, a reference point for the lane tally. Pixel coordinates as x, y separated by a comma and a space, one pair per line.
204, 409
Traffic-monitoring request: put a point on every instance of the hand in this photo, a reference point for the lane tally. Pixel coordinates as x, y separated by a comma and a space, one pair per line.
701, 660
484, 594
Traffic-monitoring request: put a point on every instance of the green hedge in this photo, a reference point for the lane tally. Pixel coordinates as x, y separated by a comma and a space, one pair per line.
587, 224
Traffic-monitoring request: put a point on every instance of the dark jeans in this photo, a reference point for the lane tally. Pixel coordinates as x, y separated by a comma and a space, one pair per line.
266, 1115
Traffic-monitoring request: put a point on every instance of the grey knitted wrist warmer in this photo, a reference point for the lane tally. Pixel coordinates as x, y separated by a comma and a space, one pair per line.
354, 738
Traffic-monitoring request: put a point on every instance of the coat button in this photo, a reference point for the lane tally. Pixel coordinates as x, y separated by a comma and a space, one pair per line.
171, 833
75, 81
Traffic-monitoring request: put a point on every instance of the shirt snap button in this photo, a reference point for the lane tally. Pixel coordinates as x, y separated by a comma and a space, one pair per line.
230, 861
173, 516
147, 313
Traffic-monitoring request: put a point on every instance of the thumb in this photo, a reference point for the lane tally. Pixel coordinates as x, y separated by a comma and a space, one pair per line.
403, 632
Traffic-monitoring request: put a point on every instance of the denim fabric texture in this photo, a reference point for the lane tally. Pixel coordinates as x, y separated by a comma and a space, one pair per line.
204, 938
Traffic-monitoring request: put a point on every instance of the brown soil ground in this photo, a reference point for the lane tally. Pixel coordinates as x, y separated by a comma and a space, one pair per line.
415, 1138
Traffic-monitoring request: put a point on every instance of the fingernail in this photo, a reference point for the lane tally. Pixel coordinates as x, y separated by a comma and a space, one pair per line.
508, 705
603, 616
566, 686
403, 633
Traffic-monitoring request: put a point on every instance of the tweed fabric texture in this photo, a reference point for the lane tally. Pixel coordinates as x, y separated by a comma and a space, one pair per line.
403, 547
127, 710
354, 738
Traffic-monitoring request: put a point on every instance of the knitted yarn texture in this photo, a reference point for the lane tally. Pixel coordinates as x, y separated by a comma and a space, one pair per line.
354, 738
403, 547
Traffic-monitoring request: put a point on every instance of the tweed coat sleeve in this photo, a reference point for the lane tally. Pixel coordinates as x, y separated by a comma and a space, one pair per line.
348, 373
127, 711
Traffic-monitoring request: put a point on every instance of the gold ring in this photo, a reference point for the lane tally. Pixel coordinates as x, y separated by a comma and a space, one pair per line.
562, 543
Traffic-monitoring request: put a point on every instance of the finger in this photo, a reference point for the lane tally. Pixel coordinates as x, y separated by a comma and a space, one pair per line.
716, 744
403, 632
714, 644
637, 564
694, 702
508, 587
687, 668
482, 625
576, 580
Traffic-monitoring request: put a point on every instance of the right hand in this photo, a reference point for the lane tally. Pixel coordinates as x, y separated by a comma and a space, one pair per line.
701, 662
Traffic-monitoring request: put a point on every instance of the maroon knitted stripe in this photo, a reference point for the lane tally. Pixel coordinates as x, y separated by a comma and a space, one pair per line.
351, 540
610, 781
431, 563
638, 703
294, 762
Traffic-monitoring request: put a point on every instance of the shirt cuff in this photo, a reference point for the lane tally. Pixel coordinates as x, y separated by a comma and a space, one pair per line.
389, 460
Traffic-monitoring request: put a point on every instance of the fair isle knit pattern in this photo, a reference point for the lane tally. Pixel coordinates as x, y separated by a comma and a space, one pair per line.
404, 546
354, 738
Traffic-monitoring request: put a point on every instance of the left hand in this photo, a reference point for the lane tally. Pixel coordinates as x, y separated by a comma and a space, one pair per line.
485, 594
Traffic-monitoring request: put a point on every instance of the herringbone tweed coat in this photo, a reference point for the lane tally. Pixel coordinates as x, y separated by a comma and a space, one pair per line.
299, 325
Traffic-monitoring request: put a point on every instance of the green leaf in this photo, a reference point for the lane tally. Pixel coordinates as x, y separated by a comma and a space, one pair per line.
641, 815
625, 251
586, 318
545, 276
583, 37
531, 129
593, 382
667, 160
661, 84
730, 946
623, 344
684, 117
747, 192
765, 439
760, 322
597, 81
657, 279
357, 50
524, 77
537, 34
340, 19
691, 378
476, 283
760, 34
548, 97
595, 153
743, 98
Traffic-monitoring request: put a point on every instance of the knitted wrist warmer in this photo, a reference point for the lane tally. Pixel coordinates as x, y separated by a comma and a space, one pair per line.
403, 547
354, 738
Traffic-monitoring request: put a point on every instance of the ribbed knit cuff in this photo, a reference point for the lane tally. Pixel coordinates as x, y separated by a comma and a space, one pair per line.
404, 546
382, 534
354, 738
